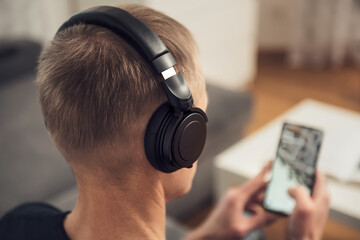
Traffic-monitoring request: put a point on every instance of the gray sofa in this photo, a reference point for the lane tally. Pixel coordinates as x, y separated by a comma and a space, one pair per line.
31, 169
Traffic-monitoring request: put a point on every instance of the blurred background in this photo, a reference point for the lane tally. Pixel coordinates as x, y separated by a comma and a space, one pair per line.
260, 59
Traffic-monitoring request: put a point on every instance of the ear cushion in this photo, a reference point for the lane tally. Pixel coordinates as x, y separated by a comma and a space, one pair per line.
154, 136
175, 140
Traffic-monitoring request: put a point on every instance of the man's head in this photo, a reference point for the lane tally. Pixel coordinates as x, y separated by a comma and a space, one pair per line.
97, 93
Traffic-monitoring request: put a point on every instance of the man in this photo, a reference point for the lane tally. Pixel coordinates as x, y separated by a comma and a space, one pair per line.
97, 95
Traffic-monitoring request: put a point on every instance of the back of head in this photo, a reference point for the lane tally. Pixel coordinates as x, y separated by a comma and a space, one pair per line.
96, 90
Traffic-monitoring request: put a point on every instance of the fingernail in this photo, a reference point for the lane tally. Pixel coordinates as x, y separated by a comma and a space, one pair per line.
267, 176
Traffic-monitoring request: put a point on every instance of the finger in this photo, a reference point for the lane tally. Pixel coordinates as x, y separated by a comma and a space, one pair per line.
320, 184
231, 202
255, 208
262, 189
321, 193
257, 183
259, 219
252, 207
270, 216
267, 166
302, 197
264, 170
258, 197
299, 193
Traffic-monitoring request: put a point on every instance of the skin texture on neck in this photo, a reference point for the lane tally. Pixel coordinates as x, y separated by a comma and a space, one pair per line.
134, 210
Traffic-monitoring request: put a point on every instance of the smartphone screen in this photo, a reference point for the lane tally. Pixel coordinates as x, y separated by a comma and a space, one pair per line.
294, 164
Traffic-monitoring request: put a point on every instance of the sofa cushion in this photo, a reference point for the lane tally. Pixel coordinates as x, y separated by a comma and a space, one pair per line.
31, 168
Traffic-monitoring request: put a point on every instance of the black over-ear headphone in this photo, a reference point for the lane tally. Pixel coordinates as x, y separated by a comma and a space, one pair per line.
176, 133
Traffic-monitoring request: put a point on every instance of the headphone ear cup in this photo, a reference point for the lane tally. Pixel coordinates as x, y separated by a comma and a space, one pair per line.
155, 136
175, 140
189, 138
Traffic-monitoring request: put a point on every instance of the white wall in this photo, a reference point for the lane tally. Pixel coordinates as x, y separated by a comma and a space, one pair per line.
226, 34
40, 19
274, 23
224, 30
36, 19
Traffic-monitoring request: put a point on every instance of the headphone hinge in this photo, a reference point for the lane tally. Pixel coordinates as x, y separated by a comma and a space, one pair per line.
177, 92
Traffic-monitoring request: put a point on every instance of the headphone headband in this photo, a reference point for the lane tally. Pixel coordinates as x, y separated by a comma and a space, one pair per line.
176, 132
146, 41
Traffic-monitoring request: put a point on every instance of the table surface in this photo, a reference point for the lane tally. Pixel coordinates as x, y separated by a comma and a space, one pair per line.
247, 157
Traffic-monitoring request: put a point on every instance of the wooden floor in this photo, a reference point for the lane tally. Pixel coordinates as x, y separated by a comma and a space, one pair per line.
277, 89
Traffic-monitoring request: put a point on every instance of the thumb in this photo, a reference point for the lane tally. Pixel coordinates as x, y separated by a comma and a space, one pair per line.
297, 192
293, 192
300, 195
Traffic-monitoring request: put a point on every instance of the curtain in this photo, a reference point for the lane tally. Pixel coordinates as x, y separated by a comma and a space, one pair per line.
324, 33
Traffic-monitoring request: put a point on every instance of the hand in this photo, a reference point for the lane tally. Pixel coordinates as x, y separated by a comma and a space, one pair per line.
228, 221
308, 218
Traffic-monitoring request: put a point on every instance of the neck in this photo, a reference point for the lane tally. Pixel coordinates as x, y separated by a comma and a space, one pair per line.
115, 211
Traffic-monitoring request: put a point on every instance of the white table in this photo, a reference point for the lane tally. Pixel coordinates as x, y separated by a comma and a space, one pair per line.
341, 148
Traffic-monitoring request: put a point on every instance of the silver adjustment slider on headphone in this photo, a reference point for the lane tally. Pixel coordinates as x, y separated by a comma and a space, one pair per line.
177, 92
168, 73
174, 85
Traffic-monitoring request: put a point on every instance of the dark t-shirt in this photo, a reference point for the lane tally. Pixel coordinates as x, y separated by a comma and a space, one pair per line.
33, 221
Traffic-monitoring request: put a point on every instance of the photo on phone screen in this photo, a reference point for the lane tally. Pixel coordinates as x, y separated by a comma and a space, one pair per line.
294, 164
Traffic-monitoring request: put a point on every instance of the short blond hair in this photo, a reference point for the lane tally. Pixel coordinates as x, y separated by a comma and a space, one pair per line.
93, 85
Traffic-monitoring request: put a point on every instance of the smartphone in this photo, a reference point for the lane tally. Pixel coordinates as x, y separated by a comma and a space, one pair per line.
294, 164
